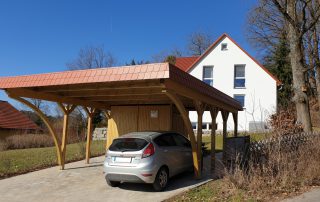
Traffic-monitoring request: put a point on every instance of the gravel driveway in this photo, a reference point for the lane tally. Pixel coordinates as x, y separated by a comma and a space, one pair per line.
80, 182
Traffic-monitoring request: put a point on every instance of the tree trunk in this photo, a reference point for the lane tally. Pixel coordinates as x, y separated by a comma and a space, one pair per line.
317, 62
299, 84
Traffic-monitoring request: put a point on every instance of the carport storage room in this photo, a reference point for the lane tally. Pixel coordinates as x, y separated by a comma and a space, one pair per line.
126, 119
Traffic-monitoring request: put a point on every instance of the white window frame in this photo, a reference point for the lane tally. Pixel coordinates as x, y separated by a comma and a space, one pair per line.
239, 77
203, 78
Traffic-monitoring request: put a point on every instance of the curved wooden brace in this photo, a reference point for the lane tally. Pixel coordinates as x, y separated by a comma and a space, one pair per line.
90, 113
188, 125
46, 121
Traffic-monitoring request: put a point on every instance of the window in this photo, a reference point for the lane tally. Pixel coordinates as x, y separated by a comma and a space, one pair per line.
181, 141
208, 75
165, 140
194, 125
204, 126
224, 46
239, 76
128, 144
239, 98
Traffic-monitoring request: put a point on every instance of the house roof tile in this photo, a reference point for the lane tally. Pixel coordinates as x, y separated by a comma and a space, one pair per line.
11, 118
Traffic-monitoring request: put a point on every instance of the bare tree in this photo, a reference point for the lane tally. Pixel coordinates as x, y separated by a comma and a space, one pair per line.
163, 55
198, 43
92, 57
298, 21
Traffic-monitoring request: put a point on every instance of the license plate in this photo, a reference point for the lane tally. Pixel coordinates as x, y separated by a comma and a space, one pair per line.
122, 159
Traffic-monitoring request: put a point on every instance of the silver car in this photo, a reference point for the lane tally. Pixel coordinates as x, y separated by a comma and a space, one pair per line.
147, 157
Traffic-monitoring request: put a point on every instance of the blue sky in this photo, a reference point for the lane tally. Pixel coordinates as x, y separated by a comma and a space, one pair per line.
40, 36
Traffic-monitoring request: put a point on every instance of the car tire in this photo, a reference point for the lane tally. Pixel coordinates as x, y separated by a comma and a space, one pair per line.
162, 178
112, 183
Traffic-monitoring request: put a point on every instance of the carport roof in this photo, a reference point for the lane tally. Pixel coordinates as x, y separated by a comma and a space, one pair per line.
103, 87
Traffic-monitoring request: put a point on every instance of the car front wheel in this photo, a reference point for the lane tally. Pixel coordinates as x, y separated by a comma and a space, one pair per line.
161, 180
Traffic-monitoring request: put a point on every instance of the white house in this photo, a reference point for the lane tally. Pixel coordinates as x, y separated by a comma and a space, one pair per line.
230, 69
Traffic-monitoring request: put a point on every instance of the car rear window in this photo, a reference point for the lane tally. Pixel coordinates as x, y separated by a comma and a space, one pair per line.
128, 144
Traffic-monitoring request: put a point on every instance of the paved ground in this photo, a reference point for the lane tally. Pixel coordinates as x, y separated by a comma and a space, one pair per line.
311, 196
80, 182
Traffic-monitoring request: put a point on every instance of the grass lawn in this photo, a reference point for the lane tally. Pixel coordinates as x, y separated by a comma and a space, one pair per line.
13, 162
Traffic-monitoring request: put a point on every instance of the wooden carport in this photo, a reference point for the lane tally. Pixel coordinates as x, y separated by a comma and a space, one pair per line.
93, 89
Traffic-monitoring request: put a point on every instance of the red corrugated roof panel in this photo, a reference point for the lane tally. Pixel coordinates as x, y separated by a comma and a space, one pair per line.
11, 118
184, 63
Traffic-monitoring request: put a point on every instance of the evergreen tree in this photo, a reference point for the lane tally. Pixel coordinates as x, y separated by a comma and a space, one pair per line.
278, 63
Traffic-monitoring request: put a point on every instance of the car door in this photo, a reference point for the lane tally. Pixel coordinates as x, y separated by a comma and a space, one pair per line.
185, 151
168, 152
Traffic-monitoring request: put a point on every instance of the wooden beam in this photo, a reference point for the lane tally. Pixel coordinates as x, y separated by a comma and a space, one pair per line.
46, 122
184, 114
213, 112
225, 115
136, 84
235, 120
200, 107
149, 97
184, 91
23, 92
67, 109
112, 92
90, 113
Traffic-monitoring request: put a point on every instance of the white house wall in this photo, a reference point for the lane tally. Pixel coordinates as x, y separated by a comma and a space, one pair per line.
260, 91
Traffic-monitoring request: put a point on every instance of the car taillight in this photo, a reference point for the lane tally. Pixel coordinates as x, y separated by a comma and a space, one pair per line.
149, 151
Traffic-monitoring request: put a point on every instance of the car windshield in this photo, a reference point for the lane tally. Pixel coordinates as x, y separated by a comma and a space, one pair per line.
128, 144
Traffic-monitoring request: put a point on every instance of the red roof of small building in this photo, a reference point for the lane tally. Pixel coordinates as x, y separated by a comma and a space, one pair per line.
11, 118
185, 62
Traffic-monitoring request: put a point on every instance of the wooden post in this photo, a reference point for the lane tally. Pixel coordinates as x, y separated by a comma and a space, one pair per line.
184, 114
108, 115
46, 121
200, 109
225, 115
90, 113
214, 112
66, 110
235, 120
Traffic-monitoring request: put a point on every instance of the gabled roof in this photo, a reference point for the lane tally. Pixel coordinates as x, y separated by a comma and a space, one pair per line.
102, 87
185, 62
198, 59
11, 118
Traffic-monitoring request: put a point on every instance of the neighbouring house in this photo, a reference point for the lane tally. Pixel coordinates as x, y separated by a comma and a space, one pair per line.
12, 121
230, 69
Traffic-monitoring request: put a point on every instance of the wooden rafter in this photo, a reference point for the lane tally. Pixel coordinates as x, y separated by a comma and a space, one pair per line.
47, 123
184, 114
